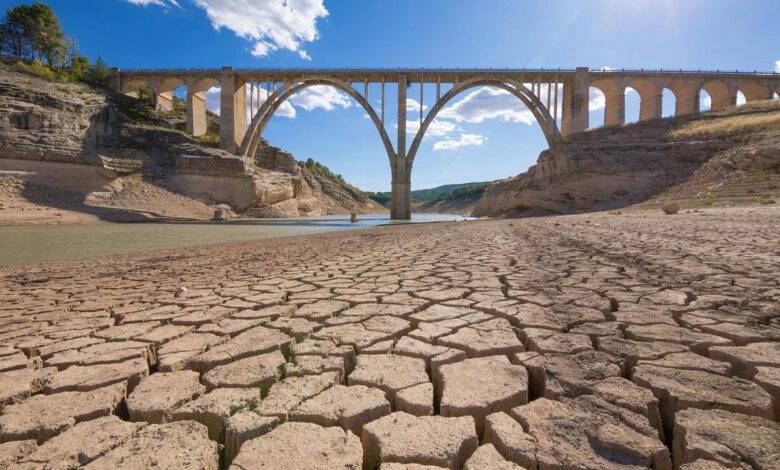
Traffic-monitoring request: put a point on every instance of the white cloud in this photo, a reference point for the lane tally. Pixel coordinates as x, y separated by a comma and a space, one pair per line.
741, 98
606, 68
777, 66
437, 128
162, 3
596, 99
705, 101
488, 103
464, 141
323, 97
270, 24
414, 105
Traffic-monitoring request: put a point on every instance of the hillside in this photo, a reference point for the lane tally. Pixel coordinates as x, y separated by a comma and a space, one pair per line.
459, 199
73, 152
720, 158
448, 198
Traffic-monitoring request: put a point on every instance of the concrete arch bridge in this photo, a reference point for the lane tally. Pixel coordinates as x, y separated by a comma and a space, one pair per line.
558, 99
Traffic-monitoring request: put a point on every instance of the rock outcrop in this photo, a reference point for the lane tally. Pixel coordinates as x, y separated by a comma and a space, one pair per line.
717, 157
79, 149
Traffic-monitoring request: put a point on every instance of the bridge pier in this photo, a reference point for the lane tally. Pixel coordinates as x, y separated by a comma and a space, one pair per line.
575, 103
401, 189
232, 110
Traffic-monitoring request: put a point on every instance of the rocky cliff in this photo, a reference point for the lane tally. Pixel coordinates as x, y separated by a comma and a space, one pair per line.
716, 158
72, 152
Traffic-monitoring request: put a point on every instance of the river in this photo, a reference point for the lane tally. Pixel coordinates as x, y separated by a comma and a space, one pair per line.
37, 243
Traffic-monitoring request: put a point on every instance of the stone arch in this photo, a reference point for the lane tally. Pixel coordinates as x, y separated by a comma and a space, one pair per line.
668, 102
720, 93
650, 99
197, 89
686, 96
615, 104
134, 85
754, 91
163, 95
266, 111
531, 101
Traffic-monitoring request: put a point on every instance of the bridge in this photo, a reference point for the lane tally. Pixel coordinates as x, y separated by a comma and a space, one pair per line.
544, 92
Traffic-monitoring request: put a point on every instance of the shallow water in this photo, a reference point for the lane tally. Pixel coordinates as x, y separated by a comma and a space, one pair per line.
28, 244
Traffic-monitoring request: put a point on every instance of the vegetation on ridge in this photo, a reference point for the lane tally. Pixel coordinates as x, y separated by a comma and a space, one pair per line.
32, 34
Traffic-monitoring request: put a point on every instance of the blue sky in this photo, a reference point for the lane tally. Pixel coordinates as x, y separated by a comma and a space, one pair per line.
485, 135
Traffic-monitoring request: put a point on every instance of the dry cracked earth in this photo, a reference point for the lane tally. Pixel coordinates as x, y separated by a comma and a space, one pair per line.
587, 342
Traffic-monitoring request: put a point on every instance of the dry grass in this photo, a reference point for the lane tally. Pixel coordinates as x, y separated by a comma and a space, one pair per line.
729, 125
753, 117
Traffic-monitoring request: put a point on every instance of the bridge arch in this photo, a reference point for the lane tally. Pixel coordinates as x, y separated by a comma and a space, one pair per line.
531, 101
720, 94
754, 91
277, 98
650, 97
614, 100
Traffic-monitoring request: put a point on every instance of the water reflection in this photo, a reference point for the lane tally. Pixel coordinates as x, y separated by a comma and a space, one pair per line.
60, 242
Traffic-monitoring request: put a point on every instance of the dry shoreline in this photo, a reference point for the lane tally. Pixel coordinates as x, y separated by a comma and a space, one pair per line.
428, 343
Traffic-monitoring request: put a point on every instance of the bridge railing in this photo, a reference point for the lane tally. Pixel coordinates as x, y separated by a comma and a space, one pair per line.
457, 70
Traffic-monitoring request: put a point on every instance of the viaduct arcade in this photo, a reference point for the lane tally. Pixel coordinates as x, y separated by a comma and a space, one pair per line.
546, 93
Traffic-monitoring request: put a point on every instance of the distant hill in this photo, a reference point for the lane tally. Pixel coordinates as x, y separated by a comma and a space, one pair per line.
421, 196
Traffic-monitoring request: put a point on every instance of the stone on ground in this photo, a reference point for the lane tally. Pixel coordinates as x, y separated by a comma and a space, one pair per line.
567, 375
425, 440
14, 451
159, 394
42, 417
243, 426
509, 438
84, 378
589, 433
349, 407
416, 400
81, 444
215, 407
480, 386
733, 440
286, 395
388, 372
260, 371
301, 446
253, 342
486, 457
179, 445
681, 389
484, 339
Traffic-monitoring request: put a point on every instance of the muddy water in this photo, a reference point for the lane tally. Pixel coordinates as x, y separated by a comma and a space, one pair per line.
60, 242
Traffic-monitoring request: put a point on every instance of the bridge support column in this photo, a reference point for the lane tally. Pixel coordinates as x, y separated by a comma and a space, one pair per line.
163, 101
401, 190
232, 111
196, 112
615, 108
575, 103
651, 106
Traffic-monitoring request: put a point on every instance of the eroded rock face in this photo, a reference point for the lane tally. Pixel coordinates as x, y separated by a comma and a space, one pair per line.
301, 446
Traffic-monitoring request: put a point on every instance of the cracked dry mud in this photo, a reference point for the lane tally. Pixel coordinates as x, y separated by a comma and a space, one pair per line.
588, 342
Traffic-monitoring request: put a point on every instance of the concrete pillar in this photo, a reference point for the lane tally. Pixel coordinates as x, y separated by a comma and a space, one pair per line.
401, 190
232, 111
687, 101
575, 103
651, 106
196, 113
163, 101
615, 108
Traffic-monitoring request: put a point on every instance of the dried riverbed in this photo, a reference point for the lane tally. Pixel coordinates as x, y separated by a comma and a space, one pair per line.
592, 341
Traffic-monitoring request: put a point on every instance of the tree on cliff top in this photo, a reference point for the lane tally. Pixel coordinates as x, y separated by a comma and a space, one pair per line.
33, 32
